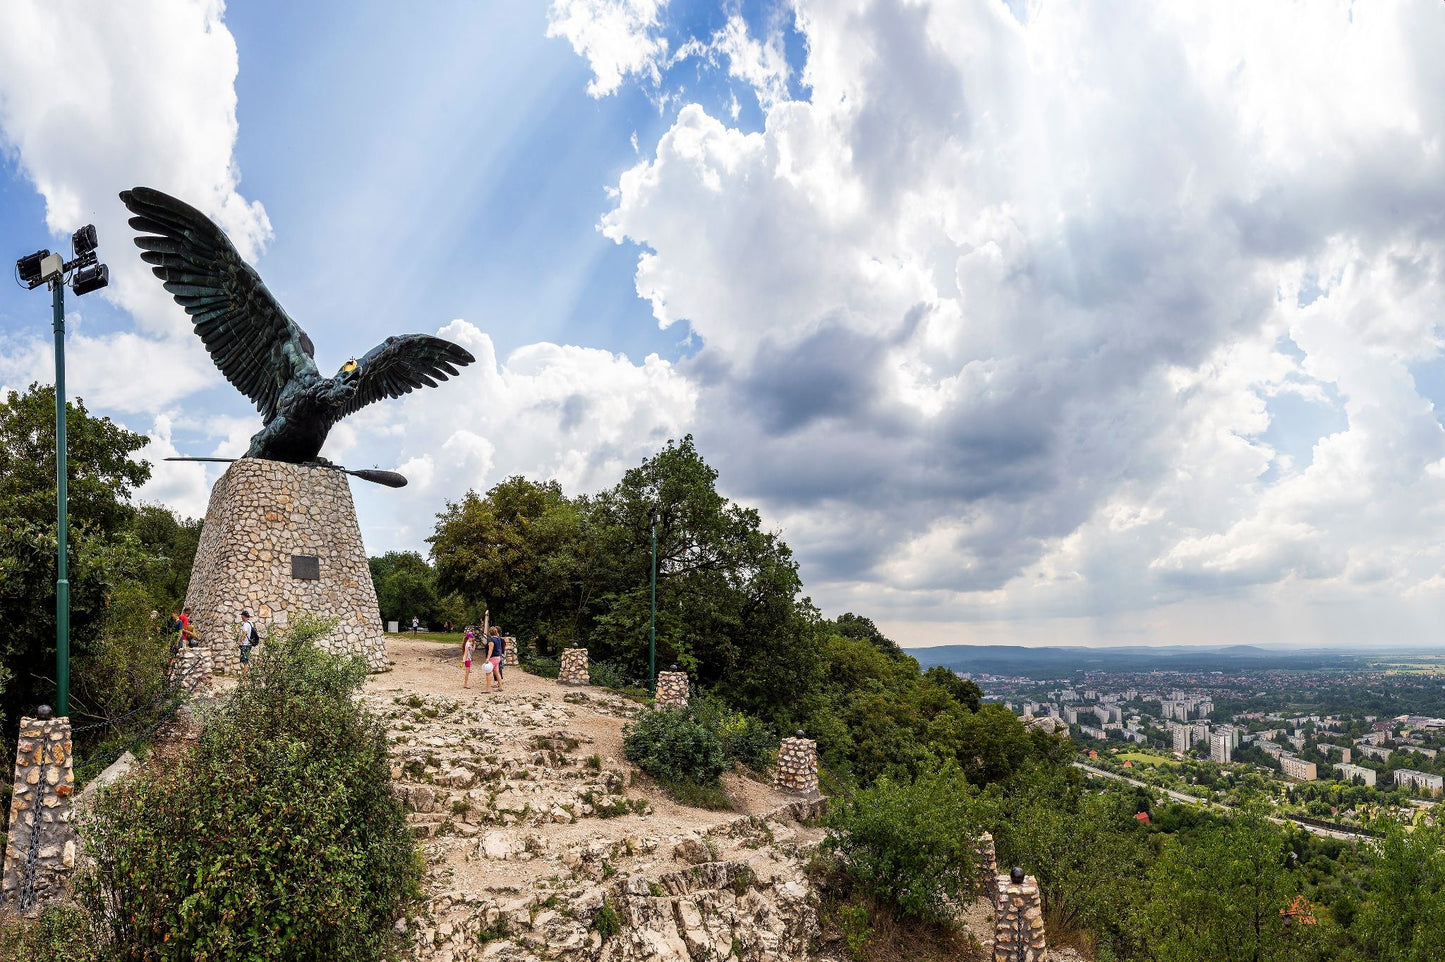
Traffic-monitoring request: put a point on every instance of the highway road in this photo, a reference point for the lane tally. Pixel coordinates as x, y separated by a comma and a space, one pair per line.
1181, 797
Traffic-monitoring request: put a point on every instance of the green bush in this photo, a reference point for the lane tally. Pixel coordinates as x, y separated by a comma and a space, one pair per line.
676, 745
275, 837
744, 738
59, 934
910, 845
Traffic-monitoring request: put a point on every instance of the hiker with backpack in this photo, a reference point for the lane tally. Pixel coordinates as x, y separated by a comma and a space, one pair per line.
249, 638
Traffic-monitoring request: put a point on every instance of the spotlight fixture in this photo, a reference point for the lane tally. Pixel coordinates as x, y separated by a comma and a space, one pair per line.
84, 240
29, 268
89, 279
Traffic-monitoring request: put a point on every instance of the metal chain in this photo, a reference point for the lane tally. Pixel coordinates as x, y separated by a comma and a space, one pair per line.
166, 693
184, 685
28, 871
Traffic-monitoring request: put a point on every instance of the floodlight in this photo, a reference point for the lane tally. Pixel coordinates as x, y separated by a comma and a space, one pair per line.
29, 267
83, 240
91, 279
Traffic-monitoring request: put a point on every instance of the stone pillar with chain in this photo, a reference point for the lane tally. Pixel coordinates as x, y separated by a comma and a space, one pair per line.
40, 846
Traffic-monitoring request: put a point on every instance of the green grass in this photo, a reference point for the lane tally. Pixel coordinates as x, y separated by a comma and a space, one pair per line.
1144, 758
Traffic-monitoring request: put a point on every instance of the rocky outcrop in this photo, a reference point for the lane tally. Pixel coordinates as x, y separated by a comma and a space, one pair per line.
543, 844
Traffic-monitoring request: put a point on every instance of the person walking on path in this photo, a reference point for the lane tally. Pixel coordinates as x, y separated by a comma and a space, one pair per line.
249, 638
494, 653
467, 645
415, 625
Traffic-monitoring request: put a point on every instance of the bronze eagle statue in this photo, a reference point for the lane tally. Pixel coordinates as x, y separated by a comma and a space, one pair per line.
256, 344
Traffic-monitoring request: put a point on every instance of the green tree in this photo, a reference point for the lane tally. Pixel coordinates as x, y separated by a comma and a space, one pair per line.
1087, 850
1225, 894
104, 555
169, 542
725, 587
1404, 919
511, 551
911, 844
405, 587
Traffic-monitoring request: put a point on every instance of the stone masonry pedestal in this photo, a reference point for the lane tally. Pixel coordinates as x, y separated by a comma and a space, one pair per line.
573, 668
672, 690
1018, 928
40, 846
797, 766
281, 540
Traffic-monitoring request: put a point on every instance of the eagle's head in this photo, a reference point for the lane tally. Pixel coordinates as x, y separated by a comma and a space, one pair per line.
341, 387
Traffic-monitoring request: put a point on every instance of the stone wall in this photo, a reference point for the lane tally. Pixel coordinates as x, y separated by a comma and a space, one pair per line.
1018, 928
987, 865
797, 765
672, 689
40, 847
573, 667
263, 514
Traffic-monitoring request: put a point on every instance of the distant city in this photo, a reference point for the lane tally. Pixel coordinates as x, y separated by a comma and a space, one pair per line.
1333, 739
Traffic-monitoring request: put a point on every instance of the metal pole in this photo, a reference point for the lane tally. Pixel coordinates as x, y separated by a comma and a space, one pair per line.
652, 624
62, 581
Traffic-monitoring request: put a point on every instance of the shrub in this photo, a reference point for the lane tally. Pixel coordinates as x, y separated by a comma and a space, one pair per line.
60, 933
676, 745
276, 836
744, 738
606, 922
910, 845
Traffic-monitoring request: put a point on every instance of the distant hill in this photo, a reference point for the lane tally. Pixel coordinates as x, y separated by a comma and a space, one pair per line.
1063, 662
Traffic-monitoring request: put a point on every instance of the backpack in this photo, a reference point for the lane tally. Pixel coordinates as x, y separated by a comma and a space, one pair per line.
253, 637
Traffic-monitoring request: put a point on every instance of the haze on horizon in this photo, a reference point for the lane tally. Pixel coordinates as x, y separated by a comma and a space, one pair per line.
1024, 322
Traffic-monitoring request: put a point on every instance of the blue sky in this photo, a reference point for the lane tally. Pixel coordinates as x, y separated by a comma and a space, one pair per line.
1014, 339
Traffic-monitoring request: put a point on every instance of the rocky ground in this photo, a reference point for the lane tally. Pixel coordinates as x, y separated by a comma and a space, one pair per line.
542, 842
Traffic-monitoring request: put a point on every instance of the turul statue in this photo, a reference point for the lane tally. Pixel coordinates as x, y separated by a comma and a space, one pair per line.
256, 344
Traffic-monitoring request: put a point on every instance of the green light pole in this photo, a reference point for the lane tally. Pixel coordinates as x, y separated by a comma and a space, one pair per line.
62, 579
86, 275
652, 624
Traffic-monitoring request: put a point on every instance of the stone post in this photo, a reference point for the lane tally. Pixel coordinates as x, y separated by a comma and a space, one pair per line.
987, 865
797, 765
40, 847
672, 689
509, 657
573, 669
1018, 927
192, 669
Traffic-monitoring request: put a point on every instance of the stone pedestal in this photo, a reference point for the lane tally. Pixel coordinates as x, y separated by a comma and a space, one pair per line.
1018, 927
509, 657
573, 668
40, 846
797, 766
281, 540
672, 689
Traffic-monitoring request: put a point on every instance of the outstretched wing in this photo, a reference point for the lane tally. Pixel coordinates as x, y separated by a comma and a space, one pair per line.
252, 340
400, 365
